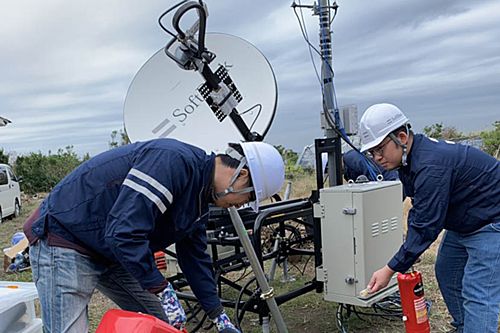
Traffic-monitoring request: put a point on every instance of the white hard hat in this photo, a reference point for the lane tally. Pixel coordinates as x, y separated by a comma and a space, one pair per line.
267, 170
377, 122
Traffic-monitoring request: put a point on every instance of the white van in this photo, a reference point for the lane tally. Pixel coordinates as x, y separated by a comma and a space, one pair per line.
10, 193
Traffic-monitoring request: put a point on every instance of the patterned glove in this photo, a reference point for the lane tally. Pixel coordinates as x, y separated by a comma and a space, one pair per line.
172, 307
224, 325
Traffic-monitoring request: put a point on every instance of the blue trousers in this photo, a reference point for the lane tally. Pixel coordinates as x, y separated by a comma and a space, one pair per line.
468, 273
66, 280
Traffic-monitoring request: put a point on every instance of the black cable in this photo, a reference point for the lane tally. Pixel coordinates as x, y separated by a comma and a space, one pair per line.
390, 314
165, 13
376, 314
295, 232
340, 319
310, 46
256, 117
306, 38
294, 266
330, 67
325, 180
334, 14
381, 315
243, 275
331, 122
386, 313
305, 265
390, 304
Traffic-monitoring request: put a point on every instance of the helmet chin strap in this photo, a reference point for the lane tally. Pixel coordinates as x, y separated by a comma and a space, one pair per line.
404, 158
243, 161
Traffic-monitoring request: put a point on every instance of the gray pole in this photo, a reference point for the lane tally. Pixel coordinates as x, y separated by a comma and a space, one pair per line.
325, 43
267, 291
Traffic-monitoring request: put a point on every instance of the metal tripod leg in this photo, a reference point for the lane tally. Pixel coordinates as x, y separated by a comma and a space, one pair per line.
272, 272
274, 263
286, 277
267, 291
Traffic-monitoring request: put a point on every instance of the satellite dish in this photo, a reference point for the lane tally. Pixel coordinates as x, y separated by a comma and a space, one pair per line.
163, 101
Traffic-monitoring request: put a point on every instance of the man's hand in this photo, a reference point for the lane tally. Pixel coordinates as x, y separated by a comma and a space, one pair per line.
223, 324
172, 307
380, 279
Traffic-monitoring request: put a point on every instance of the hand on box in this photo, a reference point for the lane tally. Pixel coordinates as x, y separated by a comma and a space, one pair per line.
380, 279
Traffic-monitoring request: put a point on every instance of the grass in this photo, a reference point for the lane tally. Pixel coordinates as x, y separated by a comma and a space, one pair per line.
307, 313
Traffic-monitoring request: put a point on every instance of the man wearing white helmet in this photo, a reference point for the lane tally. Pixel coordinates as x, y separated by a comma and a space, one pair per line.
453, 187
99, 227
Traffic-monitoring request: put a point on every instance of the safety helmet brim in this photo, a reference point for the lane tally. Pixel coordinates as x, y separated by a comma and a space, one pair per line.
372, 144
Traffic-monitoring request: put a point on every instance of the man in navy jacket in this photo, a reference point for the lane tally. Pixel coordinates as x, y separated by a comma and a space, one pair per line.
453, 187
101, 224
355, 165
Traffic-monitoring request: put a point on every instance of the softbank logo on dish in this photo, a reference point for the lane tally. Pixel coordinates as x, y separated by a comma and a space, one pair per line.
179, 115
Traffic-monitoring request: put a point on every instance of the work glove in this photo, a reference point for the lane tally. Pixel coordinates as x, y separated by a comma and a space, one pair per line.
223, 324
172, 307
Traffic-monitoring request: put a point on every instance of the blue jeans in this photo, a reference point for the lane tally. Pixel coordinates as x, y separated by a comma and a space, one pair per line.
66, 280
468, 273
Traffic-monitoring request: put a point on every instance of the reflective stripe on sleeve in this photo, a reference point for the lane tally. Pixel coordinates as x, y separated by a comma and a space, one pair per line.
153, 182
150, 195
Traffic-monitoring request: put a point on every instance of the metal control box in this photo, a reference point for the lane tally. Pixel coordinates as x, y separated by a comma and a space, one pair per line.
361, 229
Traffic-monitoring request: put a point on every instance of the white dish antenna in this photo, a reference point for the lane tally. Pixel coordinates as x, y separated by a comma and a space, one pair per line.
163, 101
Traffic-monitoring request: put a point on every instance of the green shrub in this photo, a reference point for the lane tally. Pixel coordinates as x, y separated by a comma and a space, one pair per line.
41, 173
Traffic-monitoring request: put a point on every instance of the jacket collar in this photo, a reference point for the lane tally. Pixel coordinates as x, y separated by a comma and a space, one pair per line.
417, 142
208, 178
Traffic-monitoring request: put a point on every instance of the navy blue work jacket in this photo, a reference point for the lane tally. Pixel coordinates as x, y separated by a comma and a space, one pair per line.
129, 202
453, 186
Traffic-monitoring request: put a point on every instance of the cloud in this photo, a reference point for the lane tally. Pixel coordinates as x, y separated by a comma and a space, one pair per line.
66, 66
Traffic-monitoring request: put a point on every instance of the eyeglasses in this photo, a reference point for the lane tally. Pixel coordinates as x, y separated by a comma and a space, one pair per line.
379, 150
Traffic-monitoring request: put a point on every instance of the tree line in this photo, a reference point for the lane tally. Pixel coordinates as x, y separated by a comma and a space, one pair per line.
490, 139
40, 173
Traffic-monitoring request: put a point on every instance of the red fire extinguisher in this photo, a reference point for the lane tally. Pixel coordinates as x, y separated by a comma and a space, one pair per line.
413, 302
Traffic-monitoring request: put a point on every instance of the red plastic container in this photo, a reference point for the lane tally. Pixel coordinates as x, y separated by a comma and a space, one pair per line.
121, 321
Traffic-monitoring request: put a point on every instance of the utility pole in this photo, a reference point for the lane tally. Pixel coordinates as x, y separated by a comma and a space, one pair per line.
332, 144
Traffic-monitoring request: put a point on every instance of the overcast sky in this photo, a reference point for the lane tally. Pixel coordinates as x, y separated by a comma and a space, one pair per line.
65, 66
